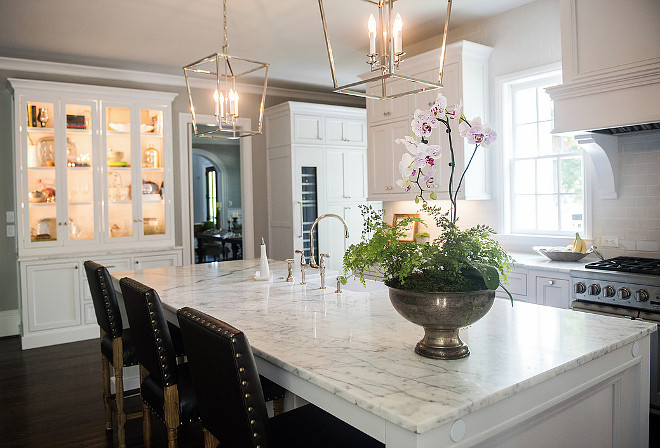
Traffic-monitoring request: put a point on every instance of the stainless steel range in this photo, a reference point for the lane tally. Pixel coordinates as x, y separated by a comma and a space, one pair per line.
626, 287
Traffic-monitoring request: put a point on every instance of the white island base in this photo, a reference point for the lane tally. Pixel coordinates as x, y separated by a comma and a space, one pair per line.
537, 376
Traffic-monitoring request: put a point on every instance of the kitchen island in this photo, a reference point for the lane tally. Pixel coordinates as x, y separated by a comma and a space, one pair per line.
536, 376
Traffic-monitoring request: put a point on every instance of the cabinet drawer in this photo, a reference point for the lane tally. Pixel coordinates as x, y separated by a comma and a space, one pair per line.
156, 261
112, 265
553, 291
517, 284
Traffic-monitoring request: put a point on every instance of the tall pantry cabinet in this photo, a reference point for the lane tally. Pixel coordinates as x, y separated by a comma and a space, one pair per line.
93, 180
317, 164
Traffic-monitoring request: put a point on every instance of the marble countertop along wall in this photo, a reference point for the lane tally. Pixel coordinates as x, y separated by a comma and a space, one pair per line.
356, 346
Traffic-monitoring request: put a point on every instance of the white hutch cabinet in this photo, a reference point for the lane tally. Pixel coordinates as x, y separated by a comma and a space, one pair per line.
465, 79
93, 171
317, 163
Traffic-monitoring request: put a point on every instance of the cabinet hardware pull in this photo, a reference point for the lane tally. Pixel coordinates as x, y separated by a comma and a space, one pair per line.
75, 267
551, 282
430, 103
301, 219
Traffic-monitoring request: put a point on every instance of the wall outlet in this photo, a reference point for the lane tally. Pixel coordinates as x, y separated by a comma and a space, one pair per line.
609, 241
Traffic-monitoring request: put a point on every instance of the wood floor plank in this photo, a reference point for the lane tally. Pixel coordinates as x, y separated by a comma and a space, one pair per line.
52, 397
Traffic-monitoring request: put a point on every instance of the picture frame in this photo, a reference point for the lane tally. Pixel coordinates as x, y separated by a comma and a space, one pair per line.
412, 229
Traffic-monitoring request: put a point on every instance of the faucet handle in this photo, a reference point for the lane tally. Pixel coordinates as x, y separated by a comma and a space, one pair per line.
302, 257
321, 259
290, 262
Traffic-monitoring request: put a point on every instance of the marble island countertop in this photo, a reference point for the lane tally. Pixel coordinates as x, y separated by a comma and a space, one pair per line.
357, 347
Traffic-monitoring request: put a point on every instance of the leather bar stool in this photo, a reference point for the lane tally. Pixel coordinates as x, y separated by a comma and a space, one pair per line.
117, 348
231, 401
165, 386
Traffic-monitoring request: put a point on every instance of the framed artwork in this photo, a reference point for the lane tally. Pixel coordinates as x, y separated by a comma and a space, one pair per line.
412, 229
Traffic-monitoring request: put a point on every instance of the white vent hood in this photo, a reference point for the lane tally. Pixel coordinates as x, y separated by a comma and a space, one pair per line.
611, 77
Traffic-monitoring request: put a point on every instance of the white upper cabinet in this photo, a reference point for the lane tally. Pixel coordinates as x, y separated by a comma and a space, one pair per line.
308, 129
465, 79
342, 131
93, 168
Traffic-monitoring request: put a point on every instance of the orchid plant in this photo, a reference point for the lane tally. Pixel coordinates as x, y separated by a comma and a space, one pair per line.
418, 166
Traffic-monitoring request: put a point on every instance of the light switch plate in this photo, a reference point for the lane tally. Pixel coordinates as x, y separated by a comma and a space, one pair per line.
11, 218
11, 230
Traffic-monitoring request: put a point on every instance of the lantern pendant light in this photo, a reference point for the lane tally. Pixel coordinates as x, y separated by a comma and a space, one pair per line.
224, 71
385, 33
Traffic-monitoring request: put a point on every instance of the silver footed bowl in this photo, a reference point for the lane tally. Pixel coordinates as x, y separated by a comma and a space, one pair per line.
442, 314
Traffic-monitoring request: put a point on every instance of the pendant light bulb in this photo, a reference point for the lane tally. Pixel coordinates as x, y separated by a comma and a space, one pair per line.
397, 31
371, 25
217, 106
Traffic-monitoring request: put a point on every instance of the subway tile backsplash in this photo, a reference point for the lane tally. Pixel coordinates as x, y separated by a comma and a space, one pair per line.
635, 216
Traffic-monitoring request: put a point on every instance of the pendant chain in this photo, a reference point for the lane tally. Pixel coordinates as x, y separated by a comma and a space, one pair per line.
225, 46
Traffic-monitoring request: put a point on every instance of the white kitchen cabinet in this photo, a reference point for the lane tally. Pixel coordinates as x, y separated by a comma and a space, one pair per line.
465, 79
52, 292
346, 178
553, 291
543, 287
311, 172
55, 299
308, 129
347, 132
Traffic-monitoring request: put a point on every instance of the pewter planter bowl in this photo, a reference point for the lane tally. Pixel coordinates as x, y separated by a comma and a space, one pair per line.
442, 314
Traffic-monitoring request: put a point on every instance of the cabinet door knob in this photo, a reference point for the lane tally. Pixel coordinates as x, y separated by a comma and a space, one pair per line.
551, 282
75, 267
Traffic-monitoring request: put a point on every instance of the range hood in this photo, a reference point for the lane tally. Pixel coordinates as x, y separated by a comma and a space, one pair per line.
611, 77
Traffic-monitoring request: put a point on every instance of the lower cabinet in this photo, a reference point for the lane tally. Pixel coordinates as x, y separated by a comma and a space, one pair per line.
55, 299
551, 288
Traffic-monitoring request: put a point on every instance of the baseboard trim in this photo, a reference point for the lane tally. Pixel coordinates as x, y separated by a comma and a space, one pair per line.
10, 323
60, 336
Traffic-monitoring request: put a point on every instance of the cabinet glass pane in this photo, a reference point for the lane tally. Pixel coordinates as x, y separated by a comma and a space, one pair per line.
153, 173
42, 213
80, 180
120, 205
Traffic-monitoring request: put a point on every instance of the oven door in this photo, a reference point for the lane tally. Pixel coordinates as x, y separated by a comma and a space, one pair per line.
597, 308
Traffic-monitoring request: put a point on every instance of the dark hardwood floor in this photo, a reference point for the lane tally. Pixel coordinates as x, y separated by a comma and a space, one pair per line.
52, 397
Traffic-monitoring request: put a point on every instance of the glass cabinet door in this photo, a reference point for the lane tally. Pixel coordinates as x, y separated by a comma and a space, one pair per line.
152, 172
118, 144
41, 162
80, 194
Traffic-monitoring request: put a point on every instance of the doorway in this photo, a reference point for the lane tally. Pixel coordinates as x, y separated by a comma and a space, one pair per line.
231, 161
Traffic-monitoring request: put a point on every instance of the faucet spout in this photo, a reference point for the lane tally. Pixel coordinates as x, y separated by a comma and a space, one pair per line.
312, 261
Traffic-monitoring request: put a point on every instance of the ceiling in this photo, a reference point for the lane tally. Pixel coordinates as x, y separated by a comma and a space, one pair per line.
164, 35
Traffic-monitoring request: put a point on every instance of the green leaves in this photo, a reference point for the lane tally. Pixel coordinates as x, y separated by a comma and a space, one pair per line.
457, 260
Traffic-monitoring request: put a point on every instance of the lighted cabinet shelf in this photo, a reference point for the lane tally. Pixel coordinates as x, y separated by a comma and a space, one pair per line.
465, 79
93, 167
93, 171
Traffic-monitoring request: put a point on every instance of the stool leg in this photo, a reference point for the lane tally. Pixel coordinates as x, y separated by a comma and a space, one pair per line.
146, 414
118, 361
209, 440
105, 366
171, 414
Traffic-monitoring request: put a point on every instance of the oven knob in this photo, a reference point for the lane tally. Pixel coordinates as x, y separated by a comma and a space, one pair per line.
609, 291
594, 289
580, 288
641, 295
624, 293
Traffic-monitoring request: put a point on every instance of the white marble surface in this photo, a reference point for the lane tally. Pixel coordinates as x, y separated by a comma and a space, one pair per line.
538, 261
356, 346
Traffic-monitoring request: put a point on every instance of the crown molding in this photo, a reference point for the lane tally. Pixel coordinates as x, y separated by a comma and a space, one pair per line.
143, 77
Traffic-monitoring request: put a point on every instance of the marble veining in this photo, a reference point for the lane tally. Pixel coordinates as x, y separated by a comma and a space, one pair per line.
356, 346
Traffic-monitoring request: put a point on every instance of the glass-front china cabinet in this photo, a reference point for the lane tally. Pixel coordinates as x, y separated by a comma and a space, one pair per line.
93, 173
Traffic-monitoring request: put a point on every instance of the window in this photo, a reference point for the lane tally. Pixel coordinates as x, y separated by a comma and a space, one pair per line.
211, 194
546, 183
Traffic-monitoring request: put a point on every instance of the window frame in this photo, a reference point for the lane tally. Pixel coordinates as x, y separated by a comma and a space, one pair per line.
507, 85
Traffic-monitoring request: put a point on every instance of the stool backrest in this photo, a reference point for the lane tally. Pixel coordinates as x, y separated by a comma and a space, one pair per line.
151, 334
224, 374
104, 298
